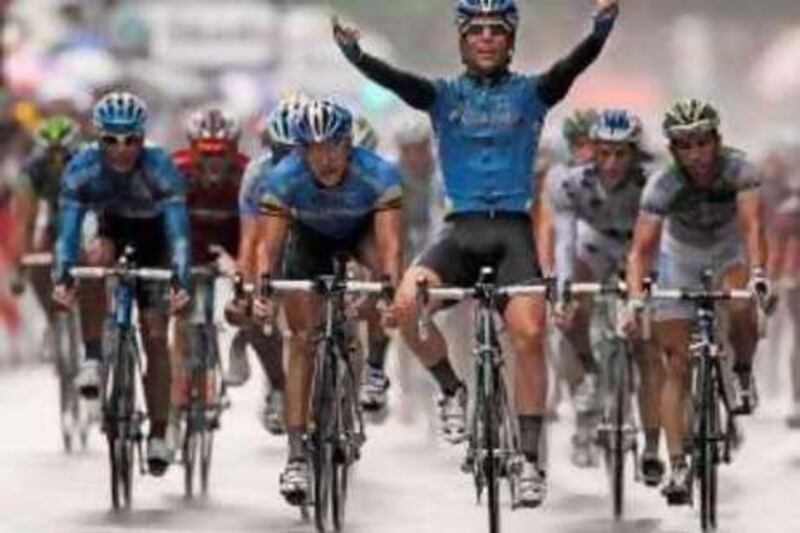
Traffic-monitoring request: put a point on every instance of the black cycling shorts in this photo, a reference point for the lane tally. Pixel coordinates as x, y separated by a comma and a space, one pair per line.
151, 250
310, 254
471, 241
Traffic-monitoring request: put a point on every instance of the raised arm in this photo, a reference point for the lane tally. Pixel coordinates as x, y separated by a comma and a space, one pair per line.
555, 83
416, 91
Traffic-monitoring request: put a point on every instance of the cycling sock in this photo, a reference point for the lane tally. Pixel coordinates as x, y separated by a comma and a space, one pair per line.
530, 430
94, 349
297, 449
377, 353
651, 437
742, 370
269, 349
446, 377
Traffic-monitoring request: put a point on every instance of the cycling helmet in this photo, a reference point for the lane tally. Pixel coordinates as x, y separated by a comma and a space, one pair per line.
212, 129
364, 134
617, 125
120, 112
505, 10
689, 116
413, 129
321, 121
278, 126
578, 124
57, 131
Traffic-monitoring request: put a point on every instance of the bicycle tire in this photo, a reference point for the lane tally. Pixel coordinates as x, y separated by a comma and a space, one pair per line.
618, 445
490, 447
119, 418
189, 452
704, 444
206, 452
321, 438
344, 429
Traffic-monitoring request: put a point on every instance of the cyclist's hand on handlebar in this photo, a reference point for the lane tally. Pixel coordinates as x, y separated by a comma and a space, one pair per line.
564, 314
263, 309
761, 287
388, 313
178, 300
631, 317
64, 295
236, 312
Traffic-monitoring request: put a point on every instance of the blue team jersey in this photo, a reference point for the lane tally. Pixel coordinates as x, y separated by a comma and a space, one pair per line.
153, 188
370, 184
248, 192
488, 134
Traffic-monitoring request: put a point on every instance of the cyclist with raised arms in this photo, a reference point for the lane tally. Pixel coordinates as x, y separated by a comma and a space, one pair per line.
140, 196
329, 198
487, 122
705, 210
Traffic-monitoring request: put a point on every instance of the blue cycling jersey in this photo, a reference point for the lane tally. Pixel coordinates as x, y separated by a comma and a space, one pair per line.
154, 187
488, 134
248, 191
370, 184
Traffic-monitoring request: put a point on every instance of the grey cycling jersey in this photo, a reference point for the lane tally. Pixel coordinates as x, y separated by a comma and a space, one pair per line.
700, 217
576, 194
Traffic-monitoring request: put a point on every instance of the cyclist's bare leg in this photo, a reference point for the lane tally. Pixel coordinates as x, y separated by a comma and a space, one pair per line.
431, 351
743, 331
578, 333
301, 317
157, 382
651, 369
92, 299
269, 350
525, 317
673, 337
179, 354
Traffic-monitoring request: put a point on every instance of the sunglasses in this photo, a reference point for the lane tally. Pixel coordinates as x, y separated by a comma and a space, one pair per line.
110, 139
476, 29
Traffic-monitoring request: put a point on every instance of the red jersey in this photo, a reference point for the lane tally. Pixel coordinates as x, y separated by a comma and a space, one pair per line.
213, 207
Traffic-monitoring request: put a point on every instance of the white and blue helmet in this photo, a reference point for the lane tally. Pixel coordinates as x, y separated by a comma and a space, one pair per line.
617, 125
120, 112
322, 121
278, 128
505, 10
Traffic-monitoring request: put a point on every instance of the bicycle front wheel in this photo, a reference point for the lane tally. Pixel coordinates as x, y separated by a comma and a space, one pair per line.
490, 447
322, 436
706, 446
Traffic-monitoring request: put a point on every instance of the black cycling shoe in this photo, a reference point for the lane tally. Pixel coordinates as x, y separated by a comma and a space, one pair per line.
652, 468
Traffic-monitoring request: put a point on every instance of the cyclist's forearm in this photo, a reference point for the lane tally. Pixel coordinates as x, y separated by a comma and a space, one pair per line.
67, 247
388, 229
248, 248
556, 82
272, 230
176, 226
751, 229
416, 91
565, 226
